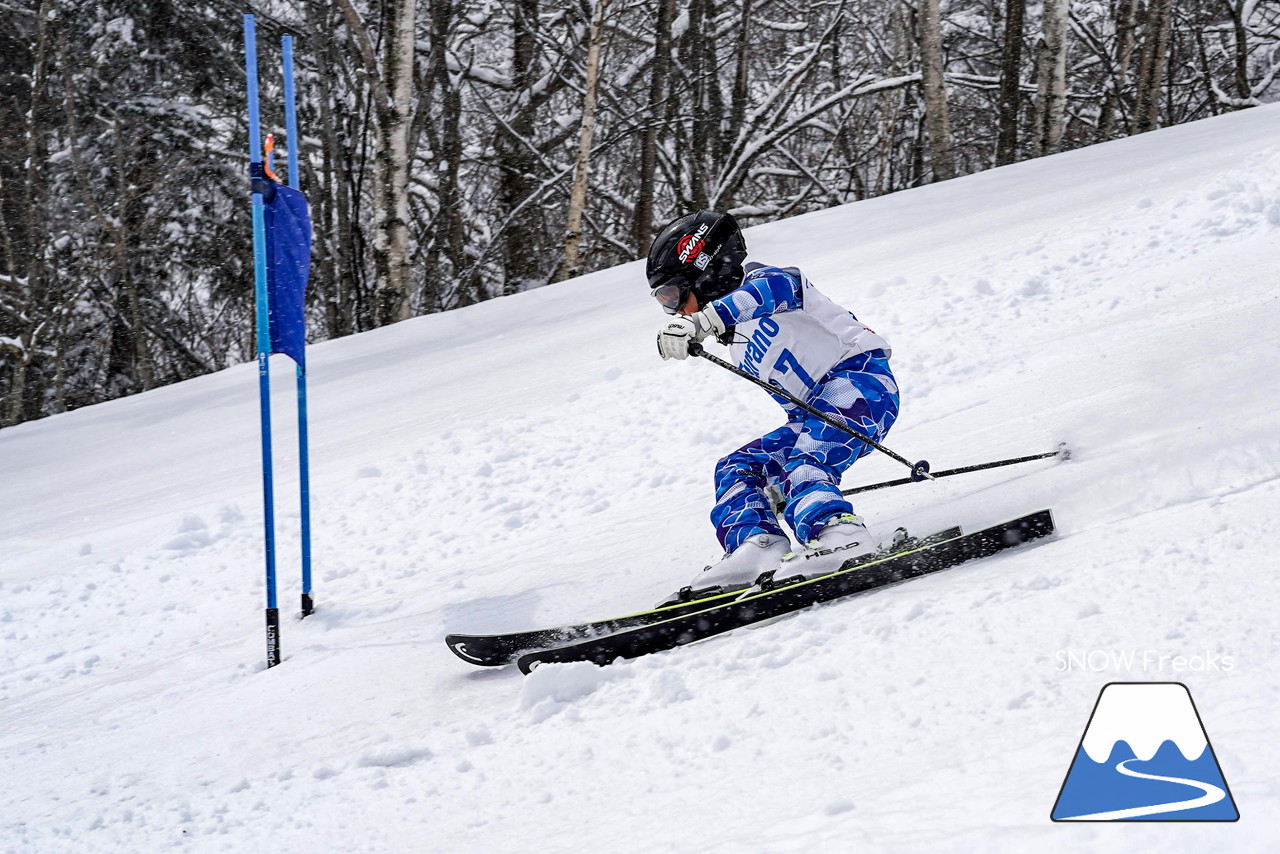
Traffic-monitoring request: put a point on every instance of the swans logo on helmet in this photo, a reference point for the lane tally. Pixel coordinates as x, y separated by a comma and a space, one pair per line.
690, 246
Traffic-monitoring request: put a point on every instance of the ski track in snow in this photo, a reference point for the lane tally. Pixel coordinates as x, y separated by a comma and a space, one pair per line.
530, 460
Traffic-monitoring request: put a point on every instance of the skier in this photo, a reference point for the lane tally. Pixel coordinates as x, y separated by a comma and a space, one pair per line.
780, 328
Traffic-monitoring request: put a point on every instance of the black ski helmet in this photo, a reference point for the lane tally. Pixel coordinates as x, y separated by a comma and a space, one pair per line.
701, 252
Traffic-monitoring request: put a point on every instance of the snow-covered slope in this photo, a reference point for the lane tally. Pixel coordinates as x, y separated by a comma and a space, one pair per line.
531, 460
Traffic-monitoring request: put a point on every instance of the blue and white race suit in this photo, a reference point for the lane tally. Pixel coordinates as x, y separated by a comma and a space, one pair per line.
789, 334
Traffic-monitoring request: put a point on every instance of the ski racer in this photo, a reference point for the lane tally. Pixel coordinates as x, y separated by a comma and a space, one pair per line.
782, 329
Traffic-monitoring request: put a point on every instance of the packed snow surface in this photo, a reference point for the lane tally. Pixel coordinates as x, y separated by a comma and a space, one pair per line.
530, 461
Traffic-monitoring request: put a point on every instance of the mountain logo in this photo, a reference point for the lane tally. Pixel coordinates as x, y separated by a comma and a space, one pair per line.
1145, 756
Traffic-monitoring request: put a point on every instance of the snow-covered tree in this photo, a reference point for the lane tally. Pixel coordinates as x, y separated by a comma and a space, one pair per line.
446, 145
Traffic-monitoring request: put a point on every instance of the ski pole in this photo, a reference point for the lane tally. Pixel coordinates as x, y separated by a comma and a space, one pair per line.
919, 470
1063, 453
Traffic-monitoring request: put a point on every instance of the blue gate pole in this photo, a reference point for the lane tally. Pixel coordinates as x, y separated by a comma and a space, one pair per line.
290, 110
264, 339
304, 463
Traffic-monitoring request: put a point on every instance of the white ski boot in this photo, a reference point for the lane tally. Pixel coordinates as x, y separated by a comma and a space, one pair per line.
841, 539
735, 571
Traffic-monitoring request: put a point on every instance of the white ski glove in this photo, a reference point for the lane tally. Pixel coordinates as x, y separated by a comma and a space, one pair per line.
677, 333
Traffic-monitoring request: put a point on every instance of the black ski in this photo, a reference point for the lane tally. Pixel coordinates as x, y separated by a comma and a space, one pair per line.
745, 609
495, 650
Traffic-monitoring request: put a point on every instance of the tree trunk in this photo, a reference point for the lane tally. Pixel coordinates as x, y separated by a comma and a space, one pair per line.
894, 106
15, 411
853, 187
31, 282
1151, 65
447, 261
391, 88
742, 53
1118, 86
1235, 8
1010, 82
642, 221
1051, 78
517, 162
391, 165
942, 160
131, 222
335, 262
714, 112
569, 267
694, 45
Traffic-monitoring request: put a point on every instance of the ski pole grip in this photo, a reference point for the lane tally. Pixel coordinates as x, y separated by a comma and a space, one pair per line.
920, 471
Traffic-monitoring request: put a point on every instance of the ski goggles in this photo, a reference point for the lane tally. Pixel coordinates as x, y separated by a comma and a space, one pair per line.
672, 294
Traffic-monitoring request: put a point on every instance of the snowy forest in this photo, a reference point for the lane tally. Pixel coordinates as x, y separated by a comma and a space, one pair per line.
458, 150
